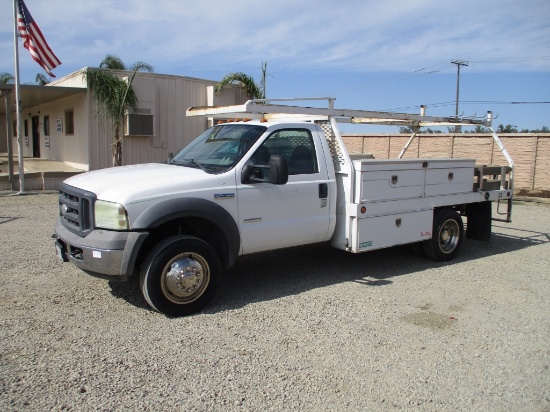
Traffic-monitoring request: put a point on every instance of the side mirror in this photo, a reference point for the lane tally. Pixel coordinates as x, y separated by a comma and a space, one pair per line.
275, 173
278, 170
251, 174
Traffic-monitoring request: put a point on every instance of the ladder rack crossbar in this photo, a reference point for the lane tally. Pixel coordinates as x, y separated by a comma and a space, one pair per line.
262, 108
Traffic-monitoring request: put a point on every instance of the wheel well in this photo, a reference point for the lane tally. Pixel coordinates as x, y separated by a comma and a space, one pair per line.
460, 209
191, 226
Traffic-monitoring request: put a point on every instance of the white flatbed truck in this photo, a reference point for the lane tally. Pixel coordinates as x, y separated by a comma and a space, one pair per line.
276, 175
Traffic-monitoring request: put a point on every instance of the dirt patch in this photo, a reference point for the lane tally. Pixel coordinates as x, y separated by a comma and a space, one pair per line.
434, 321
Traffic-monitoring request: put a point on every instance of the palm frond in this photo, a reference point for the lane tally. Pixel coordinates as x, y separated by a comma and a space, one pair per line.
112, 62
6, 78
140, 66
114, 97
245, 81
111, 92
41, 79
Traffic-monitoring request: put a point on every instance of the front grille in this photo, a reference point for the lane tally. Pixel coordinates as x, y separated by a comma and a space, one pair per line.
76, 209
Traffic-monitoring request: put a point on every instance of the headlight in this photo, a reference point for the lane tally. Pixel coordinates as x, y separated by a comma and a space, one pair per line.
109, 215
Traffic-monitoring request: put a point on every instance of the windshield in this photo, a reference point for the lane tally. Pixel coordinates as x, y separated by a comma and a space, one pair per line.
219, 148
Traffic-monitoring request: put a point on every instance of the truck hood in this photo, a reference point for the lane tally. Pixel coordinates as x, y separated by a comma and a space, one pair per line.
129, 184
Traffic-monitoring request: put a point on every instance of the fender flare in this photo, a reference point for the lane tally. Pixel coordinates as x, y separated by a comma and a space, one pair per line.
172, 209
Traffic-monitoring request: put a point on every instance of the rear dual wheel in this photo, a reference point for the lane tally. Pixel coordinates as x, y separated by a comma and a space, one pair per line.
180, 275
447, 235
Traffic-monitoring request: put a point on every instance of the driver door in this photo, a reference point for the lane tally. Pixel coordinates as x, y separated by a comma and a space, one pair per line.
296, 213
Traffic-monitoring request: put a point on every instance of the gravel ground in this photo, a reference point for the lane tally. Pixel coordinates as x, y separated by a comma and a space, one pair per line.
311, 328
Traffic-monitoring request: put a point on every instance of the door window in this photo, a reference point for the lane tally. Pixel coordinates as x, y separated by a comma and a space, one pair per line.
295, 145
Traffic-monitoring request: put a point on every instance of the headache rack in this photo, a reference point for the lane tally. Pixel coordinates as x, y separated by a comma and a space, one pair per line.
487, 177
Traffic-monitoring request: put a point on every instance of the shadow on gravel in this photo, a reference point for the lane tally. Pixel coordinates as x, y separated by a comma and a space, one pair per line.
6, 219
272, 275
129, 291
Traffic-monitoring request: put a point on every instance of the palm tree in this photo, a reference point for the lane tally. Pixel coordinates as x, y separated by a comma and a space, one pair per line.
6, 78
41, 79
252, 90
115, 97
115, 63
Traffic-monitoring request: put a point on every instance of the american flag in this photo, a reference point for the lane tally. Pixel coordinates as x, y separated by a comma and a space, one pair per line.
34, 41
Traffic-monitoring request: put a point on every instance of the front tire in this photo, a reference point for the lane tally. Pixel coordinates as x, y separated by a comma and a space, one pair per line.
447, 235
180, 275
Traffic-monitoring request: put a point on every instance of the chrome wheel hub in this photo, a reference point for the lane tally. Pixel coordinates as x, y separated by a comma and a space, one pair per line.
185, 278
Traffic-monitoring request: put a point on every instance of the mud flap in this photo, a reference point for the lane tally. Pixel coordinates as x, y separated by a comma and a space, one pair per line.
479, 217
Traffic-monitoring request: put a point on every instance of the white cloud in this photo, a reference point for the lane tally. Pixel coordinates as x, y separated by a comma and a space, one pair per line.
366, 35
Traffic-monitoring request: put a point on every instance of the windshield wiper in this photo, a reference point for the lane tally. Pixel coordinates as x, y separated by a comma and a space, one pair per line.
197, 164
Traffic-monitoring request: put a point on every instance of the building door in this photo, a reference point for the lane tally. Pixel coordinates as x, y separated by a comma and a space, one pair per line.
35, 137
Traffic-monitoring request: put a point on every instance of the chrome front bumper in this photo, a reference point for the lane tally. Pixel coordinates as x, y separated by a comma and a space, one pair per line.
103, 253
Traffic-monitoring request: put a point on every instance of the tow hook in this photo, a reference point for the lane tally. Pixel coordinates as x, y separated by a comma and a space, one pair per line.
60, 249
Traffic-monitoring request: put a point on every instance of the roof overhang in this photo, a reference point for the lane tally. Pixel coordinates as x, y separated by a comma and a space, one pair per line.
32, 95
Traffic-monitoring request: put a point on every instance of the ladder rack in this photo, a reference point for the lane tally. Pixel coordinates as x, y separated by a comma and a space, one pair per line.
264, 108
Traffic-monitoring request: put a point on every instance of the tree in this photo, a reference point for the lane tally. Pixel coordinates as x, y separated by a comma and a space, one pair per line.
252, 90
115, 63
409, 130
543, 129
41, 79
6, 78
115, 97
507, 129
481, 129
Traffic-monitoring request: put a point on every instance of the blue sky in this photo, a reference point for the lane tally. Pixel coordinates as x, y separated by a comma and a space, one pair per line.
375, 55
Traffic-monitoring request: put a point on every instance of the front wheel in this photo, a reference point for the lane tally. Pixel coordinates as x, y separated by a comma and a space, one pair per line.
180, 275
447, 234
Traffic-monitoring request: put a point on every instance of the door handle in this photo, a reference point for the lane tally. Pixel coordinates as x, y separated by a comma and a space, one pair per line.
323, 190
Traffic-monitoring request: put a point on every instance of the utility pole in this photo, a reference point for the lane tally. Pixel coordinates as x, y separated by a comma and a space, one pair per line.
458, 64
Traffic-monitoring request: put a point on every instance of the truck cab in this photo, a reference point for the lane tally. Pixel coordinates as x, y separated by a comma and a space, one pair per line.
230, 192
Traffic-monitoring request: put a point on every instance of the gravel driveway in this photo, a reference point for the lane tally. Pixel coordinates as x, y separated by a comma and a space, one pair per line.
310, 328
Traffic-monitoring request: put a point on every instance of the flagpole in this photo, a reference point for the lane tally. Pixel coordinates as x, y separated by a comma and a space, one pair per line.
18, 101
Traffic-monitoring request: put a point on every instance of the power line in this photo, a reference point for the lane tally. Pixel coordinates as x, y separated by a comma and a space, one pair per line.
436, 68
418, 72
465, 102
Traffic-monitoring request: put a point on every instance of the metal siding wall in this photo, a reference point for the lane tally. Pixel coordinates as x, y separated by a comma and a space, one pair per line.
169, 98
101, 139
75, 79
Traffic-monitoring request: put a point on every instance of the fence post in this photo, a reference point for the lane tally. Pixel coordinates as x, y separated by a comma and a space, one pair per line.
534, 162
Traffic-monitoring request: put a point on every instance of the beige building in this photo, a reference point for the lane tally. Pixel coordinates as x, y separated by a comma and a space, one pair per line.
62, 122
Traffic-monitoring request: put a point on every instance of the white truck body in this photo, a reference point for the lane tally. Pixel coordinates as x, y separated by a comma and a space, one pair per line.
292, 183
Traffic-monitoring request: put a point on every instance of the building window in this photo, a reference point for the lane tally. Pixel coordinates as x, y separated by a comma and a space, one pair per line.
26, 128
69, 122
46, 125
